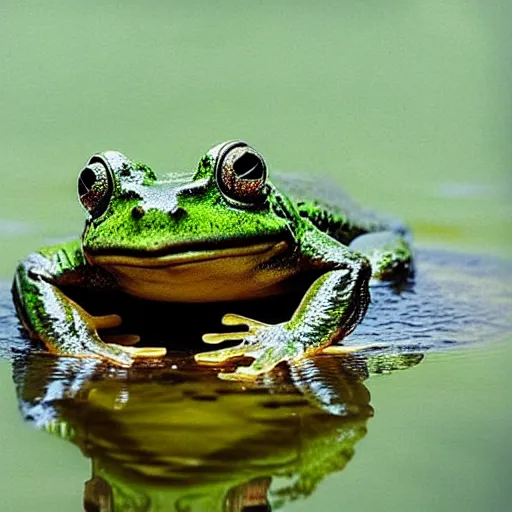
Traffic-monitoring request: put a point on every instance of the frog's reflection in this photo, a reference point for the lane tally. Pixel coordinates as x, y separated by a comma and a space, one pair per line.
176, 438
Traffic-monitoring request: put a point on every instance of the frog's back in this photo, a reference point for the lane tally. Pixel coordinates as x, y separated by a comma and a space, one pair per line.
331, 209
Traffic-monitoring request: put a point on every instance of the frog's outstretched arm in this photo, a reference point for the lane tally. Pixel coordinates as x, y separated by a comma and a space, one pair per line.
329, 311
52, 317
337, 301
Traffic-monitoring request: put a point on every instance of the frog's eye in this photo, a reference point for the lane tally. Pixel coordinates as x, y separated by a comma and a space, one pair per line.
241, 175
94, 188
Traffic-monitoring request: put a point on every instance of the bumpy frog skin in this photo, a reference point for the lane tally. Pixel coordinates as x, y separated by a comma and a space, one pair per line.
223, 233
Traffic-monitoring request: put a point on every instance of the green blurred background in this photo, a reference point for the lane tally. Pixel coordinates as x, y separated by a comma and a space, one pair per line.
406, 103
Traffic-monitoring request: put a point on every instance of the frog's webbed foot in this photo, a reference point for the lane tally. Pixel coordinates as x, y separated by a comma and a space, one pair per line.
116, 348
389, 253
268, 345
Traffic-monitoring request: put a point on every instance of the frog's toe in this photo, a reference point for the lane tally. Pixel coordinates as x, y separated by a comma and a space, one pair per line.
232, 319
101, 322
121, 339
244, 373
214, 338
265, 360
119, 355
222, 355
145, 352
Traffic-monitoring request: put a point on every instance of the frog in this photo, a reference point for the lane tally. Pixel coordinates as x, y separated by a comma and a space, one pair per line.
224, 232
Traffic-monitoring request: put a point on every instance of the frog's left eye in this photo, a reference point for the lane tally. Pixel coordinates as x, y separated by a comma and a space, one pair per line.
241, 175
94, 188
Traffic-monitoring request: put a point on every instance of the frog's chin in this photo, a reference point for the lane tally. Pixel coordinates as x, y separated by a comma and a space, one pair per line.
199, 276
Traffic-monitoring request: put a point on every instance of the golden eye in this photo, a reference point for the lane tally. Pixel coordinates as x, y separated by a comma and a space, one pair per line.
94, 188
242, 175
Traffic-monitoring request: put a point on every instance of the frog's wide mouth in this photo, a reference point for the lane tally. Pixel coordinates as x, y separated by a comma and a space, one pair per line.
182, 254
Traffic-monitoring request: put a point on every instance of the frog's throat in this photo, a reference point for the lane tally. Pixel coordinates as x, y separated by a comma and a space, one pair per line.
146, 260
236, 273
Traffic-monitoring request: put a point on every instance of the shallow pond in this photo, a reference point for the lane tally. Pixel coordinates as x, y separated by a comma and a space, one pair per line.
407, 106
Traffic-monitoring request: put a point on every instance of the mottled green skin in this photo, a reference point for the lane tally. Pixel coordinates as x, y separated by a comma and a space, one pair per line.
207, 221
187, 212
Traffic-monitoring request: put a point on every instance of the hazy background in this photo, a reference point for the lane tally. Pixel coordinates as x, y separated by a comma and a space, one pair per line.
406, 103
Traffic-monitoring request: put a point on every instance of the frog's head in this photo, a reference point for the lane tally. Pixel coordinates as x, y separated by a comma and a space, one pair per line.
227, 206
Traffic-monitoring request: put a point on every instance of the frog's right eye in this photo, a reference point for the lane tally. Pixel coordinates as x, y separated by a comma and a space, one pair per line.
94, 188
241, 175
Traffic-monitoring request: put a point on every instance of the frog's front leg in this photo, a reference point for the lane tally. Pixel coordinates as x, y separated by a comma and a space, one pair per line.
389, 252
51, 316
331, 308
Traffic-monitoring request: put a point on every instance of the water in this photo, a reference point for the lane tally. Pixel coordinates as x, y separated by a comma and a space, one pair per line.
407, 105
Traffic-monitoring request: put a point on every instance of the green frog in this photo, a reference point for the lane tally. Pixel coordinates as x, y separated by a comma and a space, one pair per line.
225, 232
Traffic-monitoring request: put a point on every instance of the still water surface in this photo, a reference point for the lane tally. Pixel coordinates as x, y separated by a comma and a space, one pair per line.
175, 437
406, 105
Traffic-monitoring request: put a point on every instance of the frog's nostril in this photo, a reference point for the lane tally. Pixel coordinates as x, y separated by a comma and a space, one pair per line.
138, 212
177, 213
125, 170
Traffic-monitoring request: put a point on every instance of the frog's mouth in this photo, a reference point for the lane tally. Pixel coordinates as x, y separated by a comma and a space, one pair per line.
173, 256
198, 274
